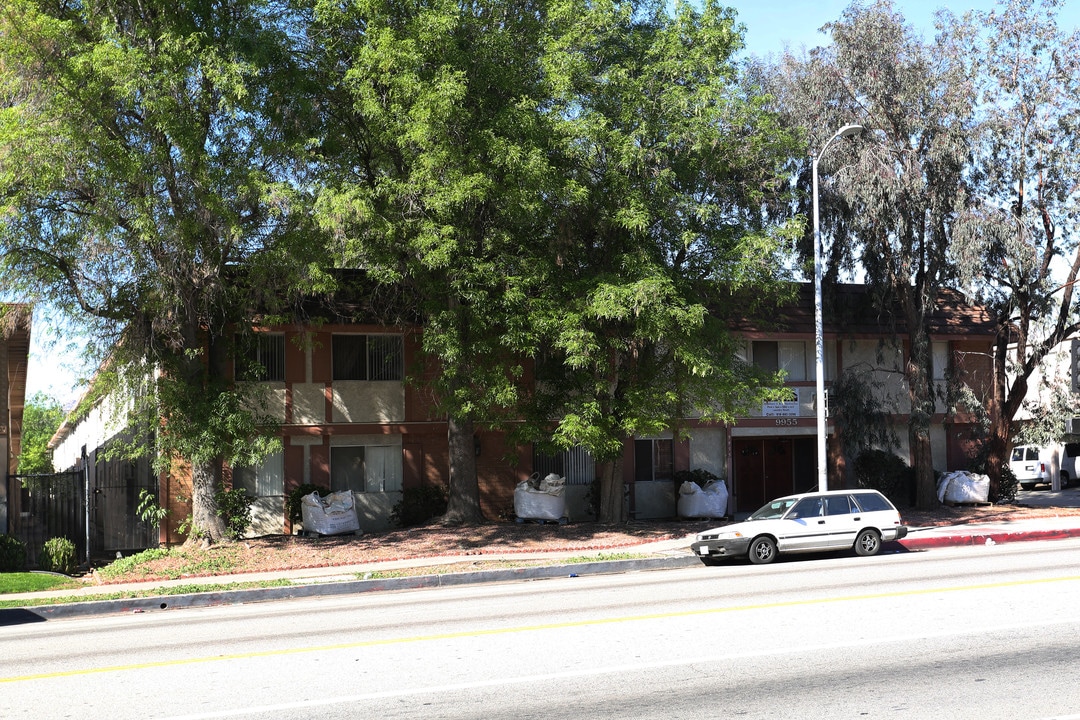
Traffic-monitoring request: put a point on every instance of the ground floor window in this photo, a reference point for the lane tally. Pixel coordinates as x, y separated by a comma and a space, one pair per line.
365, 468
576, 465
654, 459
263, 480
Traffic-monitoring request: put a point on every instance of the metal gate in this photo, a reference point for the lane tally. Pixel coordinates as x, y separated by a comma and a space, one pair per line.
96, 508
47, 506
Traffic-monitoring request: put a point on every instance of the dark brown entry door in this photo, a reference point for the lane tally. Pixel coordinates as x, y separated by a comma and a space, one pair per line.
764, 469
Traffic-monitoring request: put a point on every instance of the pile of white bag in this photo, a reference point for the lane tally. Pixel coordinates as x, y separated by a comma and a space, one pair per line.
960, 486
710, 501
331, 515
536, 499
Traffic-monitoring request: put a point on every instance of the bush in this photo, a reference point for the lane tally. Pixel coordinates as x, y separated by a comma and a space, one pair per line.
700, 476
58, 555
12, 554
887, 473
292, 503
418, 505
235, 507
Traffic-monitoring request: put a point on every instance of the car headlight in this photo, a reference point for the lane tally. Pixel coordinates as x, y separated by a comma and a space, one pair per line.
720, 535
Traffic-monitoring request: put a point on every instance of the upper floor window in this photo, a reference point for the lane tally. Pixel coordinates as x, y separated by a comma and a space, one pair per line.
368, 357
262, 358
787, 355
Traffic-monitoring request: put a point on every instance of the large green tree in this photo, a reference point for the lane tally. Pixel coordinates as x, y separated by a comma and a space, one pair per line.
42, 416
436, 179
579, 182
147, 186
1016, 243
893, 194
670, 161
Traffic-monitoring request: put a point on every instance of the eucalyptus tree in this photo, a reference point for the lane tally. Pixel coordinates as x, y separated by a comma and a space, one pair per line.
892, 195
147, 186
1016, 241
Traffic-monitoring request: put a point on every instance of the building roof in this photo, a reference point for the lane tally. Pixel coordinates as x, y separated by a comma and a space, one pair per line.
854, 310
15, 321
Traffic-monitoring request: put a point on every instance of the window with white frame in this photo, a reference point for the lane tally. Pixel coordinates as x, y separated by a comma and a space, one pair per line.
367, 357
365, 468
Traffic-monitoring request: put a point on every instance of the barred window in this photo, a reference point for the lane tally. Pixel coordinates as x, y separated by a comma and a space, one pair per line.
263, 358
368, 357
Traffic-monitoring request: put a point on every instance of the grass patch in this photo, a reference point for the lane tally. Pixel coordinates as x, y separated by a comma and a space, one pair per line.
22, 582
173, 563
154, 593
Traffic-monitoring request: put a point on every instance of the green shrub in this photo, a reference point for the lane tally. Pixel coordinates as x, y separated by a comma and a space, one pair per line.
418, 505
12, 554
699, 475
235, 507
887, 473
292, 503
58, 555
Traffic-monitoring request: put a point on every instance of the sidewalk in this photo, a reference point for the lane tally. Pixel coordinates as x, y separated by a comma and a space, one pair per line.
345, 580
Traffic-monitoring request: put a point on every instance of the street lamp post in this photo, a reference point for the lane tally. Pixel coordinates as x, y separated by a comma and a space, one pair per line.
823, 476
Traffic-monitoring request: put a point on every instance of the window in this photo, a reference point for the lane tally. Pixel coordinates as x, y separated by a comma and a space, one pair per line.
264, 480
365, 468
654, 460
872, 502
576, 465
837, 505
368, 357
807, 507
786, 355
262, 358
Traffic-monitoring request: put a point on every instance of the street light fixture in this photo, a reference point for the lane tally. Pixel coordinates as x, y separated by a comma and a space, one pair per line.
823, 476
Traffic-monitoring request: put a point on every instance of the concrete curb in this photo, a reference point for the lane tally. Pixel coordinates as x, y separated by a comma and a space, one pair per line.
41, 613
990, 537
311, 587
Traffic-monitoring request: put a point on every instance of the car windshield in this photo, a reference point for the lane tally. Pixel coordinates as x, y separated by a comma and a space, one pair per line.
773, 510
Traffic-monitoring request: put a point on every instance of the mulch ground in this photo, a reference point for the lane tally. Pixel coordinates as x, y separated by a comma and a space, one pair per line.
286, 552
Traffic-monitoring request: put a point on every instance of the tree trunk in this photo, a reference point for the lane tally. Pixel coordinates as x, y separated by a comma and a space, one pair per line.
612, 492
206, 524
463, 503
921, 396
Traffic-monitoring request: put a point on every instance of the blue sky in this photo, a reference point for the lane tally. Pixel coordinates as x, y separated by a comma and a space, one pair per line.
770, 28
771, 25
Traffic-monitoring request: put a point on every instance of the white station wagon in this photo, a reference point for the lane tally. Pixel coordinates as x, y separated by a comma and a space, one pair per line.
833, 520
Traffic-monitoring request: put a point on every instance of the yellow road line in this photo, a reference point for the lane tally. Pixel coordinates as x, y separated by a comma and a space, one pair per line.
533, 628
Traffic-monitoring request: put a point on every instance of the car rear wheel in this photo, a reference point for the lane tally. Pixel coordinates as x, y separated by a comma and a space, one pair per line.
868, 542
762, 551
1065, 481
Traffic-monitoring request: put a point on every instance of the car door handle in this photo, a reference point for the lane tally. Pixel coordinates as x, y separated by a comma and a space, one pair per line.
857, 518
820, 522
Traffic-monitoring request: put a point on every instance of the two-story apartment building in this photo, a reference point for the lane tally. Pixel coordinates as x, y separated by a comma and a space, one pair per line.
349, 420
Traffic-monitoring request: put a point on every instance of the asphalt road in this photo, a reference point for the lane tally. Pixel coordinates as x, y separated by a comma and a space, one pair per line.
976, 632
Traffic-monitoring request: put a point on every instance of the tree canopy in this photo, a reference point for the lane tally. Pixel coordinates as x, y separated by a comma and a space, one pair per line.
148, 184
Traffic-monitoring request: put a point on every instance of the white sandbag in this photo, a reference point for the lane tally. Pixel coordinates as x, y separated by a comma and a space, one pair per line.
330, 515
541, 499
963, 487
710, 501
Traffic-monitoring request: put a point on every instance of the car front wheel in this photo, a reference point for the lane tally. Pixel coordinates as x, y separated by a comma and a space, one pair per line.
762, 551
868, 542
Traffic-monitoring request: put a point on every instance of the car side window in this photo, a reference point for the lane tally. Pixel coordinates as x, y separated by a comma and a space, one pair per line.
872, 502
838, 505
807, 507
